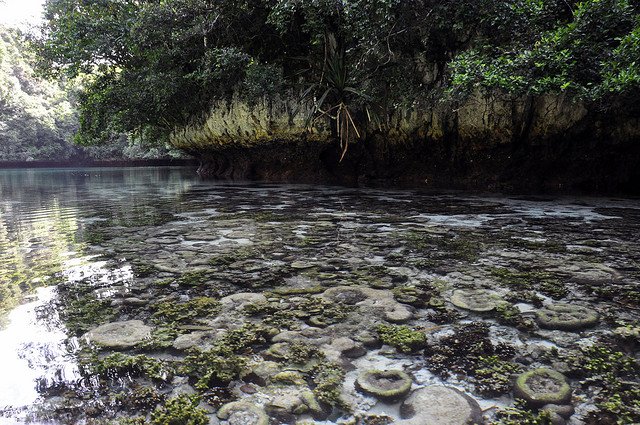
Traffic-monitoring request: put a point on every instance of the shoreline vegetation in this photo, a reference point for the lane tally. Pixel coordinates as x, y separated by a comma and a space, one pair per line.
516, 96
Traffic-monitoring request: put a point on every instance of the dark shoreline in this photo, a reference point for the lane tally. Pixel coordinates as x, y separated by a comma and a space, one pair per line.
100, 164
560, 167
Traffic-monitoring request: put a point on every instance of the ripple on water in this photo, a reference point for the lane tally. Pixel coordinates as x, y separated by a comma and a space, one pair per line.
35, 354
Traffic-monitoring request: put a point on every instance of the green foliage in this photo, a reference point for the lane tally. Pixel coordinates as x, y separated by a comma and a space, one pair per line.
39, 118
157, 66
172, 313
587, 49
403, 338
182, 410
36, 117
116, 365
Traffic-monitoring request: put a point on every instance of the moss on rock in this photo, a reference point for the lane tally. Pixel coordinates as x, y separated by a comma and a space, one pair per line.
387, 385
542, 386
567, 317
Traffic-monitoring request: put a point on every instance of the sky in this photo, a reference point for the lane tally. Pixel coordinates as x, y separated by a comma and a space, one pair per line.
20, 13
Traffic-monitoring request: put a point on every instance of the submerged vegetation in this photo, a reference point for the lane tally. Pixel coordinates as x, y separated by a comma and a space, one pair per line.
200, 304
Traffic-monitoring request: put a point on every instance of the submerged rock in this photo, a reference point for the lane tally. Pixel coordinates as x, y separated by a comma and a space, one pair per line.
567, 317
119, 335
201, 339
239, 300
387, 385
348, 347
439, 405
539, 387
346, 294
243, 413
478, 300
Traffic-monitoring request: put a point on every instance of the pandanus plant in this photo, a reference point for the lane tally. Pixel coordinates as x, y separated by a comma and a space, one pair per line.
337, 95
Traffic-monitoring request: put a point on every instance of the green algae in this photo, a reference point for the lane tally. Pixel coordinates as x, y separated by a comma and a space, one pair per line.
117, 365
328, 379
546, 283
175, 313
84, 313
494, 376
403, 338
181, 410
224, 362
520, 414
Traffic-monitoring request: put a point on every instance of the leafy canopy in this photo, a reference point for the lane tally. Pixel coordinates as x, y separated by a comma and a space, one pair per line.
157, 65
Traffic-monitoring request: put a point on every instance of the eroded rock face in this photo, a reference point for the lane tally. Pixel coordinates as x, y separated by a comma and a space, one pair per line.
439, 405
119, 335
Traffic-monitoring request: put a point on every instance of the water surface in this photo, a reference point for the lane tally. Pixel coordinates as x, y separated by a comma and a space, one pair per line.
132, 242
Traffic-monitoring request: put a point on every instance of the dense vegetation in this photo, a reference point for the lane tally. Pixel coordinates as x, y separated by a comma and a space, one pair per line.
38, 118
155, 66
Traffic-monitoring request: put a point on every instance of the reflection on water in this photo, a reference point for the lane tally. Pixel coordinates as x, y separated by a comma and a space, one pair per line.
34, 351
33, 245
43, 214
43, 218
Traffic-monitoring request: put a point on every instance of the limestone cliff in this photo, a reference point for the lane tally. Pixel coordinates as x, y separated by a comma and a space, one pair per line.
488, 141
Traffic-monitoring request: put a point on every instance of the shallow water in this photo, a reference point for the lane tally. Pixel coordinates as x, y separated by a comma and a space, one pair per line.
129, 242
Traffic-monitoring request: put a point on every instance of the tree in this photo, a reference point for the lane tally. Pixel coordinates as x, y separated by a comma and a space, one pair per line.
156, 66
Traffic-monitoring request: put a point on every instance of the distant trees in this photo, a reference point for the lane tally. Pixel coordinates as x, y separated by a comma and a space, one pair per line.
157, 65
38, 118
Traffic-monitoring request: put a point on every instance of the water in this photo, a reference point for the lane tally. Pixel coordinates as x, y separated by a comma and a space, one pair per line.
84, 247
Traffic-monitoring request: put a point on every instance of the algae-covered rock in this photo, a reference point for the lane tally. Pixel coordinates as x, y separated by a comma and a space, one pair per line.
261, 373
243, 413
403, 338
345, 294
387, 385
119, 335
201, 339
395, 312
439, 405
542, 386
567, 317
478, 300
241, 299
289, 377
301, 265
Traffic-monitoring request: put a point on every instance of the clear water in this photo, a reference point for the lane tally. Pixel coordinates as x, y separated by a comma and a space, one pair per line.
117, 232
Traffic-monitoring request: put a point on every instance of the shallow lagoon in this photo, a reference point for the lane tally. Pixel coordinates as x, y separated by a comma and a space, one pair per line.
283, 296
